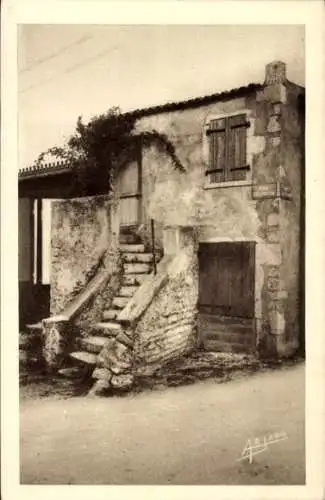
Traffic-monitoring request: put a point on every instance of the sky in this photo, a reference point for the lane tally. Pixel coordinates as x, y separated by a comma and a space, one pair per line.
69, 70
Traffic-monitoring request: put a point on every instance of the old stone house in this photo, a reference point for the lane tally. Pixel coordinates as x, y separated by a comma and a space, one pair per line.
210, 256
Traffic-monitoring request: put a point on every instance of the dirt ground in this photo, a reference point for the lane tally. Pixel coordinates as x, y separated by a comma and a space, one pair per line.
221, 367
190, 434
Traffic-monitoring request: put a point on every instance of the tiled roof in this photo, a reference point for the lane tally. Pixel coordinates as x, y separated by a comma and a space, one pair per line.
52, 168
196, 102
44, 169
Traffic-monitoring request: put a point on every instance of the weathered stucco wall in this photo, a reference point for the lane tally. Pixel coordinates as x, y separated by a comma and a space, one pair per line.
80, 235
170, 196
167, 329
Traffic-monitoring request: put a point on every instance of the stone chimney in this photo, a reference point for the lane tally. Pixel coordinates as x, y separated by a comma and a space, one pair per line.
275, 72
275, 83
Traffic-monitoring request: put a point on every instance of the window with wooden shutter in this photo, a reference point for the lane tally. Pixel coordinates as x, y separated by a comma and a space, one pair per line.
227, 147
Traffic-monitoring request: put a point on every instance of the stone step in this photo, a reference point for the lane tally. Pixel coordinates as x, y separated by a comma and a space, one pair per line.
137, 268
133, 279
137, 257
109, 328
120, 302
73, 372
125, 339
246, 338
132, 248
229, 329
219, 346
224, 320
93, 344
35, 327
109, 314
129, 239
128, 291
86, 358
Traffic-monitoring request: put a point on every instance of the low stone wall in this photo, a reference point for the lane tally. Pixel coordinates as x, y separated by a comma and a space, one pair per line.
86, 272
114, 366
81, 233
60, 331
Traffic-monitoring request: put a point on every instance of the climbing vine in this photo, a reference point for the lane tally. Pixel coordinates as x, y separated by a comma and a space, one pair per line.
98, 149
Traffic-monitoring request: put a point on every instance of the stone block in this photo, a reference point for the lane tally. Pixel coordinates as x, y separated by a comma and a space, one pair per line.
275, 141
102, 374
273, 93
72, 372
285, 191
124, 339
269, 254
274, 272
273, 219
115, 357
273, 235
276, 109
273, 284
275, 73
123, 382
278, 295
277, 323
260, 191
274, 126
55, 341
99, 388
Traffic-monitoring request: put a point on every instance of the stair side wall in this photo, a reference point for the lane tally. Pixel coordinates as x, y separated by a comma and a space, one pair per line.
93, 311
167, 329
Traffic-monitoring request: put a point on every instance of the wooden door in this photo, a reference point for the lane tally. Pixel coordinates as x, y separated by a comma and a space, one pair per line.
226, 294
130, 194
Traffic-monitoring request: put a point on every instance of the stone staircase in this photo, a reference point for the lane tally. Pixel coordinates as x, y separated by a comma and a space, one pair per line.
137, 264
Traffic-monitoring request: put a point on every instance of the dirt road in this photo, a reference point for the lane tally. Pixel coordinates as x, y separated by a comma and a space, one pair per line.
184, 435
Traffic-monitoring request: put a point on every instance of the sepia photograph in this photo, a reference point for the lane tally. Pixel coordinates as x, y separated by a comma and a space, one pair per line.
161, 252
161, 263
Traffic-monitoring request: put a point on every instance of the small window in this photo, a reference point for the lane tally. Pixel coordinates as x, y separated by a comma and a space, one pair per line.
227, 148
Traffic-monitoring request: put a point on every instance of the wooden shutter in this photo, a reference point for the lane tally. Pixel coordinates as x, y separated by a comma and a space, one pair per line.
217, 136
237, 137
228, 139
